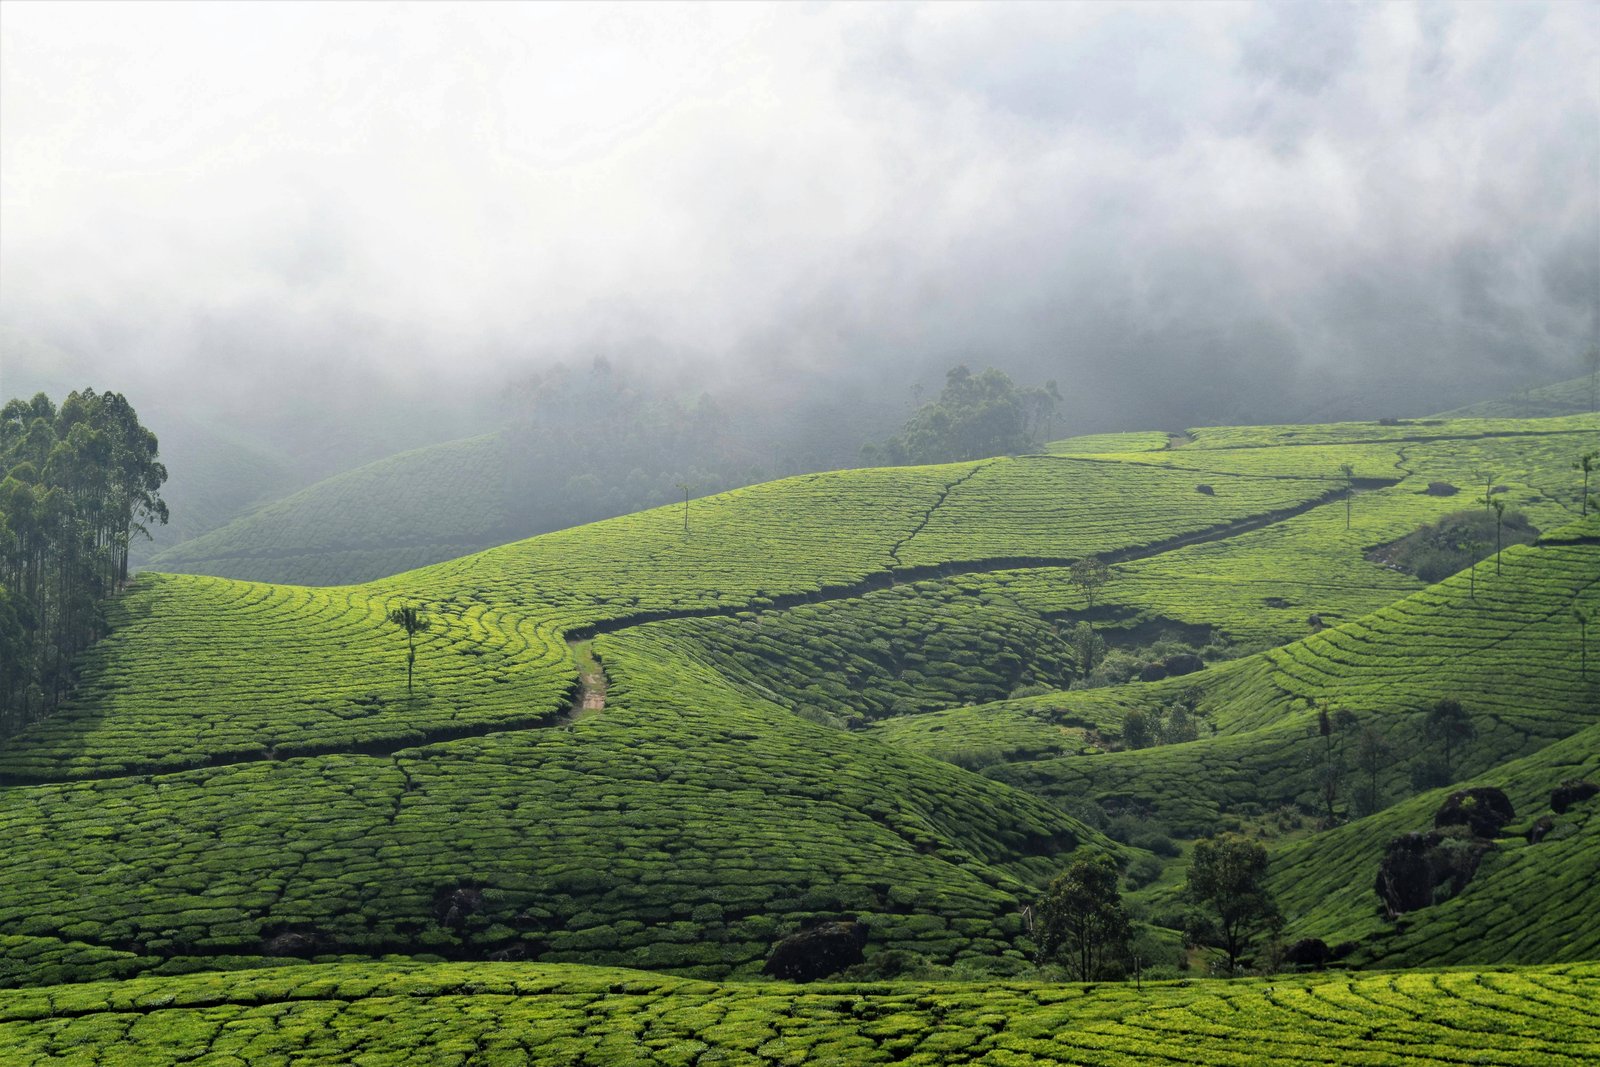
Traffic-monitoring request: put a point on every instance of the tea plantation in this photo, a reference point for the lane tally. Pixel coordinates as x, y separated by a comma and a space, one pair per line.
849, 695
395, 1013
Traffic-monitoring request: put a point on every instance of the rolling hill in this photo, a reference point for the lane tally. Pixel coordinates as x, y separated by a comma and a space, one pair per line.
1571, 397
633, 744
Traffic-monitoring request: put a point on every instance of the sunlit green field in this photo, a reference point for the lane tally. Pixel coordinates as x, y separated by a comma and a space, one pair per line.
390, 1014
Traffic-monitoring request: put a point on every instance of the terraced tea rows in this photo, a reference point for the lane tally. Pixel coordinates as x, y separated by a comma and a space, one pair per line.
443, 1014
694, 820
280, 671
1264, 584
1055, 508
723, 822
1511, 656
892, 652
1436, 429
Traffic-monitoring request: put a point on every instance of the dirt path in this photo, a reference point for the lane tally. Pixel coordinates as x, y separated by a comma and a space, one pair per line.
591, 696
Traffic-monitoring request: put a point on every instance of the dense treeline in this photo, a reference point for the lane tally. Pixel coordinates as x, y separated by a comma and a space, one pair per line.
77, 482
975, 416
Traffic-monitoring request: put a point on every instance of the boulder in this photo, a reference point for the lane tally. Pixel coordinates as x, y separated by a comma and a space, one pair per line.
1182, 663
818, 951
1441, 489
1572, 791
1405, 880
1419, 869
1152, 672
1482, 809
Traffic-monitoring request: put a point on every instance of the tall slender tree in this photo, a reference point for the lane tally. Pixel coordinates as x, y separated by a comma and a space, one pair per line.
1449, 725
1090, 575
1487, 478
1586, 464
413, 621
1499, 522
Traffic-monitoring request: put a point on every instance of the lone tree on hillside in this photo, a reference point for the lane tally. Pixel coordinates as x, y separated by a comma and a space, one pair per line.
1090, 575
687, 488
413, 622
1349, 473
1487, 478
1227, 880
1447, 726
1328, 759
1499, 521
1088, 646
1586, 464
1081, 919
1473, 546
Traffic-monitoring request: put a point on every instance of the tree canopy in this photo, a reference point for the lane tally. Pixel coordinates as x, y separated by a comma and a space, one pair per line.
77, 484
1081, 919
1227, 880
975, 415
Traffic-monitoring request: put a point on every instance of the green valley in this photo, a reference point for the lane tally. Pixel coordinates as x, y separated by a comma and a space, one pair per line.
881, 698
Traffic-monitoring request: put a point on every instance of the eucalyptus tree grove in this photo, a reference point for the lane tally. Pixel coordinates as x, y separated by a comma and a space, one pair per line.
77, 483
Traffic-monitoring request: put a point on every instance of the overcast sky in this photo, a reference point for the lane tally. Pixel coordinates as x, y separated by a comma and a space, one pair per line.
1139, 200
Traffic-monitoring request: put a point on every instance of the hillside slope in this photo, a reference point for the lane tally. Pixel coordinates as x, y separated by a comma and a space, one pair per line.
1571, 397
244, 775
405, 511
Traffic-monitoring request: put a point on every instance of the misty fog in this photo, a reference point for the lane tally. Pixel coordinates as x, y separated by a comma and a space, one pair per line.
332, 231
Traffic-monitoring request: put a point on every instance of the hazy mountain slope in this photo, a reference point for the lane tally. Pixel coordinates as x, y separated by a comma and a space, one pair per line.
397, 513
1571, 397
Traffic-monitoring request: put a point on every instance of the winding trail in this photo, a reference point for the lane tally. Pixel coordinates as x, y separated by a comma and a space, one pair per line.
590, 696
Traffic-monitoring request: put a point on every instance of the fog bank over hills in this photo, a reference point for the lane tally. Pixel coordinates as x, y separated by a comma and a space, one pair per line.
345, 229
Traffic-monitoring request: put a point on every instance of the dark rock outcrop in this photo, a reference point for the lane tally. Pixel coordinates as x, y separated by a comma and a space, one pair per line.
1482, 809
818, 951
1441, 489
1419, 869
1572, 791
1152, 672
